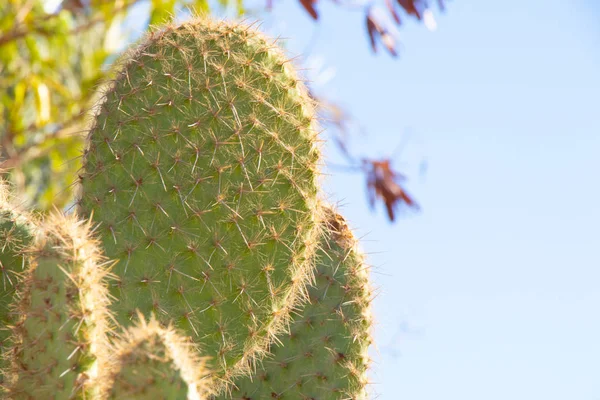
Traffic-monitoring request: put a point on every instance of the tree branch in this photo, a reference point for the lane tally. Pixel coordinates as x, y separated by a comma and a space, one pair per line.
32, 150
37, 27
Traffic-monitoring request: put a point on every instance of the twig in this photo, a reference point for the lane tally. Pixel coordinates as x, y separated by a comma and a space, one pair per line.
32, 150
36, 27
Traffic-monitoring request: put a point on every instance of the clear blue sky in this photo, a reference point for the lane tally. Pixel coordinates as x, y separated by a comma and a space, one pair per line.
493, 291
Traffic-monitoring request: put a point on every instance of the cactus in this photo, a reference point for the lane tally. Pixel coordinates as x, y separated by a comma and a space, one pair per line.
324, 356
152, 362
16, 233
202, 169
62, 308
201, 173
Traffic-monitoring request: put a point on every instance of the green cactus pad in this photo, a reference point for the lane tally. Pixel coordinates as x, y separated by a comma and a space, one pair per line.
202, 169
16, 233
325, 354
59, 337
152, 362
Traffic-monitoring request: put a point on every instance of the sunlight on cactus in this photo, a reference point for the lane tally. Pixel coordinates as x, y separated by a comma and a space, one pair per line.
200, 182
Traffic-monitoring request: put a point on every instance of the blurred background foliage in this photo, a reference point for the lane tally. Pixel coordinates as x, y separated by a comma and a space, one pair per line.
53, 58
55, 55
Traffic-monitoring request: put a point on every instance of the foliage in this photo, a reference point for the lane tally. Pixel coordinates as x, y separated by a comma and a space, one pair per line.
381, 25
51, 63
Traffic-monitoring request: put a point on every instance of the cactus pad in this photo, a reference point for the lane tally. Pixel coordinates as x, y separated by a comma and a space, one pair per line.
325, 354
202, 169
152, 362
62, 312
16, 232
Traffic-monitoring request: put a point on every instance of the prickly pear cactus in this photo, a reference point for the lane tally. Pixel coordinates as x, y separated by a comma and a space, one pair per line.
202, 170
324, 356
153, 362
16, 233
59, 337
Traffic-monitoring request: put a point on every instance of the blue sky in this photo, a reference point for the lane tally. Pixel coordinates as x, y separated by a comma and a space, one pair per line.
492, 292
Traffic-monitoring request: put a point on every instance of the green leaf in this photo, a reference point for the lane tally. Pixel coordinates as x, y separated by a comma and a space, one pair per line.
202, 7
162, 11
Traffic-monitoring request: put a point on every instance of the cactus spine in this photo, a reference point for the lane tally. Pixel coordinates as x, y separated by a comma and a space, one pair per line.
324, 356
152, 362
202, 170
62, 307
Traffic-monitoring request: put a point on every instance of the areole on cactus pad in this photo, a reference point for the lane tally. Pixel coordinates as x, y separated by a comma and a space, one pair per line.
202, 170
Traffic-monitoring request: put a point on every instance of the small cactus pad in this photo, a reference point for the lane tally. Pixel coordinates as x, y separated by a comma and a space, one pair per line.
62, 306
152, 362
202, 170
16, 233
325, 354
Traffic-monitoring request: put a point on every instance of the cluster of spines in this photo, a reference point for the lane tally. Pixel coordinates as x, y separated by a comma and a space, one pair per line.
324, 354
202, 169
60, 336
154, 362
